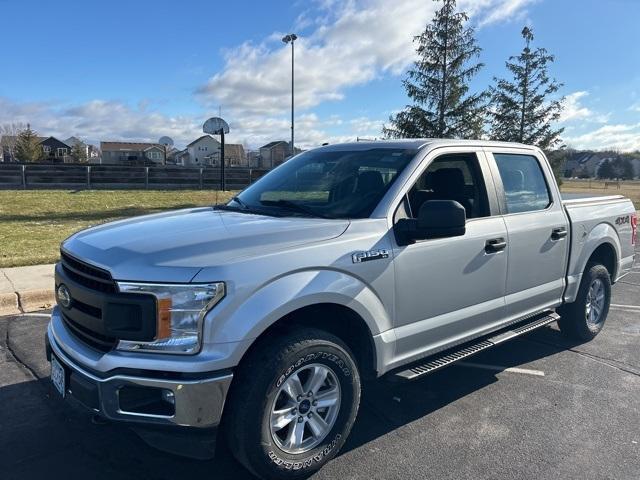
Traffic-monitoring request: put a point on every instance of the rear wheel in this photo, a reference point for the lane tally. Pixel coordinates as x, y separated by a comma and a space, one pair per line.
584, 318
293, 403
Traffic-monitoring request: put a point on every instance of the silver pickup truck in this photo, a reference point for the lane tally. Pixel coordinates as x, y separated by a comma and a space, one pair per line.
260, 319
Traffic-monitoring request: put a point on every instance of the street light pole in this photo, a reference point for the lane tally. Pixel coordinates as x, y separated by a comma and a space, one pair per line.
292, 37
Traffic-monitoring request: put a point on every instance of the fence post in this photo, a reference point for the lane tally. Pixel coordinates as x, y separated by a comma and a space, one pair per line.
146, 177
250, 176
24, 176
201, 179
88, 176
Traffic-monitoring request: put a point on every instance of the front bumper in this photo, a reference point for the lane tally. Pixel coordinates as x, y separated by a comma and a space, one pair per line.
198, 402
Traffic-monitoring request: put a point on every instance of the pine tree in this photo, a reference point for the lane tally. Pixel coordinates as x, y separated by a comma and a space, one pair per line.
522, 108
79, 152
606, 170
438, 83
28, 148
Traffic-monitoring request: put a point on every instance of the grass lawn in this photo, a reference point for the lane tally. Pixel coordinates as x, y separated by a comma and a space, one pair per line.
630, 189
34, 222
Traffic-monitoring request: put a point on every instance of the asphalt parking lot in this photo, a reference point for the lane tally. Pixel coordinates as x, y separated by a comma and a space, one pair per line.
536, 407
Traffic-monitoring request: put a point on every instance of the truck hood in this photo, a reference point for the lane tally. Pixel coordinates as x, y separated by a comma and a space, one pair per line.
175, 246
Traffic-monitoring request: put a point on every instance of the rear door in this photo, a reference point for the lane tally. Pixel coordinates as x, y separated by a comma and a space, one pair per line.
537, 230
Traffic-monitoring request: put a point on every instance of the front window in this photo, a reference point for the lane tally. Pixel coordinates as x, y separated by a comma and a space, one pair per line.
326, 183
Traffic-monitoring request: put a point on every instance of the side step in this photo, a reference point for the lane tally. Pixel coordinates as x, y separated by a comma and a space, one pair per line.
454, 354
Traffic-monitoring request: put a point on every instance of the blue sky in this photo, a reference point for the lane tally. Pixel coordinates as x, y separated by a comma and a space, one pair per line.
138, 70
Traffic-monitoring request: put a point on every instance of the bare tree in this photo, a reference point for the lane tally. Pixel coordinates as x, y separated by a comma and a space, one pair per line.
8, 138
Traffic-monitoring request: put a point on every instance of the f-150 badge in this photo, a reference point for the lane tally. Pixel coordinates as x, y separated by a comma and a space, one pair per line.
369, 255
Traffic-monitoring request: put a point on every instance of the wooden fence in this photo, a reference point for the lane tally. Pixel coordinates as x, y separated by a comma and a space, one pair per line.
80, 176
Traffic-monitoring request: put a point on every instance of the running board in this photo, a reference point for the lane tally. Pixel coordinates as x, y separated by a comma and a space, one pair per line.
452, 355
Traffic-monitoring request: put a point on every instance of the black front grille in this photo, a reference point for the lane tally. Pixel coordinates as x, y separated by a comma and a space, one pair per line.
87, 275
94, 339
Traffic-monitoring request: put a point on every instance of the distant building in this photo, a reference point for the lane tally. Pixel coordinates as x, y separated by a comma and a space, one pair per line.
253, 159
133, 153
234, 155
274, 153
200, 152
56, 150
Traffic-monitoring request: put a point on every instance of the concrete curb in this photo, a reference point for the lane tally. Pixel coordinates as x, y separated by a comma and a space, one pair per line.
31, 300
9, 304
15, 303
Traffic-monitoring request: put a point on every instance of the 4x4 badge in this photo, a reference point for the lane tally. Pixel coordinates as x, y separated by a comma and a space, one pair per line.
359, 257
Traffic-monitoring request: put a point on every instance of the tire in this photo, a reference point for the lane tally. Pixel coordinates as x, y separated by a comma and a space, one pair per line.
583, 319
266, 382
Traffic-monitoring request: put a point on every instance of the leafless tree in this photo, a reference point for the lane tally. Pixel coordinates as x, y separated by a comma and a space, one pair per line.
8, 137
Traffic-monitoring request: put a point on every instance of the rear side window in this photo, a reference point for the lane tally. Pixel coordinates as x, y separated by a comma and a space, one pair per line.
524, 184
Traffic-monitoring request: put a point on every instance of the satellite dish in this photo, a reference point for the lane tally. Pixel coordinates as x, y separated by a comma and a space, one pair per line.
167, 141
215, 125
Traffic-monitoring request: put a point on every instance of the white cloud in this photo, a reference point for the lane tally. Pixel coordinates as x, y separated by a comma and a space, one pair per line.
346, 44
625, 137
353, 43
100, 120
635, 107
500, 11
574, 110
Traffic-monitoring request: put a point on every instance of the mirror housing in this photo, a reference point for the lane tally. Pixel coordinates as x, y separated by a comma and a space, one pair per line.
436, 219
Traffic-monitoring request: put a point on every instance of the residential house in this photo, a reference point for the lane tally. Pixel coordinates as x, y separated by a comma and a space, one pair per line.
201, 152
253, 159
274, 153
55, 150
133, 153
79, 144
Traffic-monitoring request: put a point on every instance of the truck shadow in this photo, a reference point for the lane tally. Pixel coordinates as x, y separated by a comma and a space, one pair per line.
45, 437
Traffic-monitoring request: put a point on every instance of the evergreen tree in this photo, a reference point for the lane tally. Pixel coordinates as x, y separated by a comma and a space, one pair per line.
522, 110
79, 152
438, 83
606, 170
28, 148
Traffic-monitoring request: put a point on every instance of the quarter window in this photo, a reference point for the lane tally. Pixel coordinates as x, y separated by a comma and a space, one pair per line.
525, 188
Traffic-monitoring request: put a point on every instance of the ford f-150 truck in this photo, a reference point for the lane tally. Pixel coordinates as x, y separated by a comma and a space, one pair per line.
259, 320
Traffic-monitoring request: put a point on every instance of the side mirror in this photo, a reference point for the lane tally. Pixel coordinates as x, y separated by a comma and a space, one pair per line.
436, 219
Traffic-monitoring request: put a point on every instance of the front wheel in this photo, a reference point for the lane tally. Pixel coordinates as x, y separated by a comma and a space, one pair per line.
293, 403
583, 319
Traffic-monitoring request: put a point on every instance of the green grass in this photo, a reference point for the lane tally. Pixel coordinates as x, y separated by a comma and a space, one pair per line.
34, 222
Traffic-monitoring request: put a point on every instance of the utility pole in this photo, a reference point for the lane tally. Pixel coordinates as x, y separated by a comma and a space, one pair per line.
291, 38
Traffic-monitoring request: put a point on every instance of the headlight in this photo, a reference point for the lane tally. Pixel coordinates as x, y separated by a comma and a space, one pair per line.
180, 313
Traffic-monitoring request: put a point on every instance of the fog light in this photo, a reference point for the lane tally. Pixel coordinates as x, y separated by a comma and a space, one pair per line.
169, 397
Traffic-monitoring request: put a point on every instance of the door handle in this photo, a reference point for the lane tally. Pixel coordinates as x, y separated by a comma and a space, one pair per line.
558, 233
495, 245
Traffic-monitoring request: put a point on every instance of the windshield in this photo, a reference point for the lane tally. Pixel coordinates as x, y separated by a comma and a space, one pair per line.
325, 183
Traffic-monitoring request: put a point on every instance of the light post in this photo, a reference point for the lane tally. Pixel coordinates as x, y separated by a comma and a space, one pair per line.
292, 37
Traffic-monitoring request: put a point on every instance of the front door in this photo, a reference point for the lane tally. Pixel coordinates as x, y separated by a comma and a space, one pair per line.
448, 289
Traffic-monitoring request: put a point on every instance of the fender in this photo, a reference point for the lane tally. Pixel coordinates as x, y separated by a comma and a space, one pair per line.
587, 243
265, 306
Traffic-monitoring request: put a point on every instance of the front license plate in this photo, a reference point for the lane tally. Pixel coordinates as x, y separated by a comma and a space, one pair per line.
57, 376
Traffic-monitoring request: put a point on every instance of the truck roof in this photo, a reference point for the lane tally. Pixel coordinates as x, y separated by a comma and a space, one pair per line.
418, 143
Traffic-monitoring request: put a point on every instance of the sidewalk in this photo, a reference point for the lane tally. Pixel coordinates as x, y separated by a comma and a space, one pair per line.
25, 289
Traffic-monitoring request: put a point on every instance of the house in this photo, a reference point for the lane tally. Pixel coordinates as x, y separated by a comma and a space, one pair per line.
253, 159
75, 142
234, 155
274, 153
55, 150
200, 152
133, 153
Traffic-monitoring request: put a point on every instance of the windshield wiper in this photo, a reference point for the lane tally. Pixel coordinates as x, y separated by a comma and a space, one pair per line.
289, 205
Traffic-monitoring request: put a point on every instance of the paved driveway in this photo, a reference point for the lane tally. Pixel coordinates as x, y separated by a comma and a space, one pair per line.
532, 408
